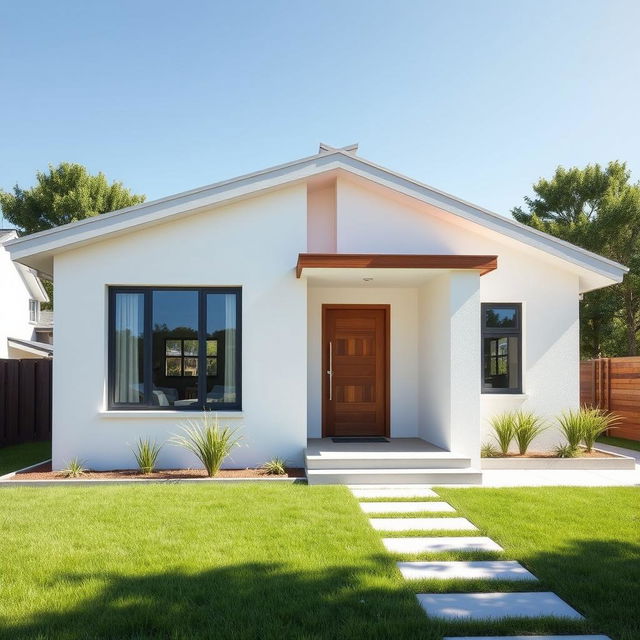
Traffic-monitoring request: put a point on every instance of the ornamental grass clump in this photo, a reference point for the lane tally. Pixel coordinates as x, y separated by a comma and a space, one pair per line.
275, 467
527, 426
146, 453
572, 427
74, 469
208, 441
489, 450
504, 427
594, 423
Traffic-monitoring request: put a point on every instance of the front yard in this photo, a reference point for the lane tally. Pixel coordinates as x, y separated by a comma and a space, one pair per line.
285, 561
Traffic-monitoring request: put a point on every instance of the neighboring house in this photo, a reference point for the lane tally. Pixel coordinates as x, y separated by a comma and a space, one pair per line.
324, 297
21, 294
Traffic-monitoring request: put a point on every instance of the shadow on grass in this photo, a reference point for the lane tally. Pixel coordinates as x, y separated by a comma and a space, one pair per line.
259, 600
239, 601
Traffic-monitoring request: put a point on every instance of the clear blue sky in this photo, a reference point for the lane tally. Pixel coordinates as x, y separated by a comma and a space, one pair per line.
478, 98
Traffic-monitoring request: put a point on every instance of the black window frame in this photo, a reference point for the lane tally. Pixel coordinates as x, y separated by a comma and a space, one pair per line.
500, 332
147, 292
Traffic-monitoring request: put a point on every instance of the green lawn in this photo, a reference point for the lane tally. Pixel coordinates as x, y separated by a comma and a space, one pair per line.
583, 543
620, 442
19, 456
287, 561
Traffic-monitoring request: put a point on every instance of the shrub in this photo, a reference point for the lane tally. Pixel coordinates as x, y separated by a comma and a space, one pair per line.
572, 426
489, 450
566, 451
275, 467
146, 453
504, 427
594, 423
74, 469
527, 427
209, 442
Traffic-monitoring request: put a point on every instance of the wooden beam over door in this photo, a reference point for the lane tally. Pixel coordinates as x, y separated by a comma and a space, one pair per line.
483, 264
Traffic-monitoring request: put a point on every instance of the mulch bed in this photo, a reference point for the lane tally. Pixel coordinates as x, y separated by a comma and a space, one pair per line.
44, 472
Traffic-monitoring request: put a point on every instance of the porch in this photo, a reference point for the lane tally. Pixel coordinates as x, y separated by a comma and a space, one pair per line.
394, 461
394, 351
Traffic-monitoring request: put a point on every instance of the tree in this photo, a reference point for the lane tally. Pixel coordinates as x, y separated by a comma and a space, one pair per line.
64, 194
597, 209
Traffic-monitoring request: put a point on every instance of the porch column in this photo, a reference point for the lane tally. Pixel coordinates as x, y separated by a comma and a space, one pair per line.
449, 362
465, 372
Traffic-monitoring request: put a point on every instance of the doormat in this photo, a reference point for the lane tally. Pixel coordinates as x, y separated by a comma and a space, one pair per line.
349, 439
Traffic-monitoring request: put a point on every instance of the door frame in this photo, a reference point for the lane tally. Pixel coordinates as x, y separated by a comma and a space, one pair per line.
387, 362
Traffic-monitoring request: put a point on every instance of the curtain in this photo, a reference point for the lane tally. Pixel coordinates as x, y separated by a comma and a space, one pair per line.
230, 348
128, 337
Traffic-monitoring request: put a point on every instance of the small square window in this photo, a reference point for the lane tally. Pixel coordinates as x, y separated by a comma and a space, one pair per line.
500, 317
173, 367
190, 367
190, 347
173, 347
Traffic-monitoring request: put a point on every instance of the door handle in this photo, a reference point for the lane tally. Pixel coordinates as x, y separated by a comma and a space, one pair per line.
330, 371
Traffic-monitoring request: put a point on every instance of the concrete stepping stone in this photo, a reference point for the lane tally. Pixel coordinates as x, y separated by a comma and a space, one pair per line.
428, 524
405, 507
440, 544
487, 606
394, 492
480, 570
562, 637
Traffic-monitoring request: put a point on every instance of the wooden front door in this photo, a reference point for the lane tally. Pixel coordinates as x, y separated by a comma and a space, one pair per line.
355, 370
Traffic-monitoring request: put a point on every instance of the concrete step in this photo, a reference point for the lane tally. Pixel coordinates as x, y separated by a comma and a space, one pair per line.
406, 507
384, 460
562, 637
493, 606
475, 570
394, 476
398, 491
426, 524
440, 544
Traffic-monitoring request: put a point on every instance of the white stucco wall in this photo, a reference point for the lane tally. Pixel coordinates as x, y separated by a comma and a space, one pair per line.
14, 305
404, 358
253, 244
321, 219
371, 220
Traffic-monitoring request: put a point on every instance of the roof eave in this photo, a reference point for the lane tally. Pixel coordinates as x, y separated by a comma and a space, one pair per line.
46, 243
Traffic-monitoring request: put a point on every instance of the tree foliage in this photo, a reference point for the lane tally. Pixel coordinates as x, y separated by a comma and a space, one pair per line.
64, 194
598, 209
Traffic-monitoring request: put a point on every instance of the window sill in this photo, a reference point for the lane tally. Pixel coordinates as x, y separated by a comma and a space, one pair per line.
168, 415
502, 396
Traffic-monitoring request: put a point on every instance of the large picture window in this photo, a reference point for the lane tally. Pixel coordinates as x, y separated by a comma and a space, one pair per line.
501, 348
174, 348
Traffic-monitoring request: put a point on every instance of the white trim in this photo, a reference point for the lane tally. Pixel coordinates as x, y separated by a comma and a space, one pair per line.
153, 415
84, 231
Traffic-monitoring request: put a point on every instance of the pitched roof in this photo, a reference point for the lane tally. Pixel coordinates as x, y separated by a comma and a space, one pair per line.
36, 250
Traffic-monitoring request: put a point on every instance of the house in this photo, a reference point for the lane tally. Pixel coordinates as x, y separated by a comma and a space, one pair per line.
327, 297
21, 293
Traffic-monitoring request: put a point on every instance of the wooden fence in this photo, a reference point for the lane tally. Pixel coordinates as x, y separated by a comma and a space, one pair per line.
614, 384
25, 401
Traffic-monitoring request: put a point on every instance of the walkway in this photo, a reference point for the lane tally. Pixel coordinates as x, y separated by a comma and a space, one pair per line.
415, 509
